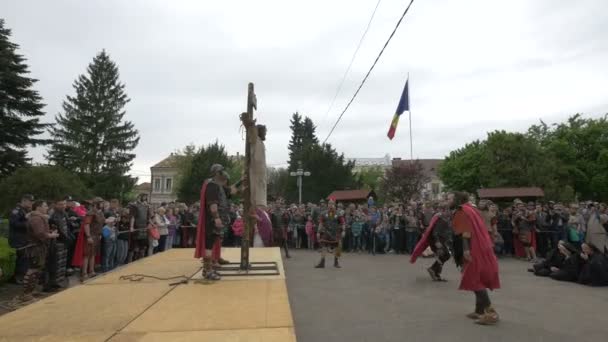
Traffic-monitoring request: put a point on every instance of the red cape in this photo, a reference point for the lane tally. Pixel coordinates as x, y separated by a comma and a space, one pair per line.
422, 245
199, 252
78, 257
519, 247
482, 271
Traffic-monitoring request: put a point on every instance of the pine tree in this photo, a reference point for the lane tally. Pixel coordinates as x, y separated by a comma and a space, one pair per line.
309, 133
296, 143
91, 137
20, 107
330, 170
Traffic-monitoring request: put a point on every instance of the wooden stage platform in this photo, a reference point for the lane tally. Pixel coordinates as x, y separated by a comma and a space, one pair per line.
107, 308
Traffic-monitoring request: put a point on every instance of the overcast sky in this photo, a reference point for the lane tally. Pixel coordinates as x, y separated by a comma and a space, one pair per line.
474, 65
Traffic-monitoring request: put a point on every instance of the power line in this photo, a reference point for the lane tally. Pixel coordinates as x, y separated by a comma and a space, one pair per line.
369, 71
331, 105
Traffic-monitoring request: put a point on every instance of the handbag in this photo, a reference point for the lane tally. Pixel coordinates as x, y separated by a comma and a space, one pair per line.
153, 232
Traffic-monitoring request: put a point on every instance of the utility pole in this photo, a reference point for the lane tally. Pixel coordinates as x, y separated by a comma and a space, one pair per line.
249, 124
299, 173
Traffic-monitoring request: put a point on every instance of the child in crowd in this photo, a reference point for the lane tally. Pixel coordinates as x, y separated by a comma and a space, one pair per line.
109, 244
237, 228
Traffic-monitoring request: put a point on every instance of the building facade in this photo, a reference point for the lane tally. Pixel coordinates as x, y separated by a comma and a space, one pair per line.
164, 175
364, 163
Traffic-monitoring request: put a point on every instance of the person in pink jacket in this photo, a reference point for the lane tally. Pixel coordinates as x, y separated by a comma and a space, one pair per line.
237, 228
310, 231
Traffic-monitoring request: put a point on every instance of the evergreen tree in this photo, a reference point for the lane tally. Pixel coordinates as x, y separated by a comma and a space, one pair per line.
20, 107
91, 137
309, 133
296, 143
330, 170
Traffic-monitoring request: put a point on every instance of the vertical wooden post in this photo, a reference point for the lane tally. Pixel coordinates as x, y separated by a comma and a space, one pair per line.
249, 124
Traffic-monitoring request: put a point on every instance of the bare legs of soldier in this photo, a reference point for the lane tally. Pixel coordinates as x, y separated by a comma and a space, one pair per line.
336, 251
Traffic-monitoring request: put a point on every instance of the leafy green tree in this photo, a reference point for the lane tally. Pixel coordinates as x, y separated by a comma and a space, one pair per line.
460, 171
197, 171
44, 182
91, 137
20, 107
370, 177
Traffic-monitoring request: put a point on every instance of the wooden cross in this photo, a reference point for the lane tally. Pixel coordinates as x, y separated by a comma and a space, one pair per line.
249, 209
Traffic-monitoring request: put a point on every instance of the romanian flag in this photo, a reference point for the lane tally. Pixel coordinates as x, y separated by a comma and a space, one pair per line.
404, 105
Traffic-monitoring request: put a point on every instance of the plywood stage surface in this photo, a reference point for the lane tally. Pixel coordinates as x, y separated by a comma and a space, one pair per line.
108, 308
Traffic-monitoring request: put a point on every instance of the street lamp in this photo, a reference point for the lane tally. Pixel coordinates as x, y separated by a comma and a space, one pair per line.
299, 173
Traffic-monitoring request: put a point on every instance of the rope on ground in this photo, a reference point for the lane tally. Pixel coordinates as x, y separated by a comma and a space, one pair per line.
135, 277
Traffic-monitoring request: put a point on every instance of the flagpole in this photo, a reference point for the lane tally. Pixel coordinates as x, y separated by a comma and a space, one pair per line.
410, 114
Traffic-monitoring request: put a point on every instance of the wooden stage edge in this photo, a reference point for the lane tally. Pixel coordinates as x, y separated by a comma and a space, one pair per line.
108, 308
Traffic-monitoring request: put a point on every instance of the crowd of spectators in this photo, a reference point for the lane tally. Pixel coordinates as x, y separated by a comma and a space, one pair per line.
565, 242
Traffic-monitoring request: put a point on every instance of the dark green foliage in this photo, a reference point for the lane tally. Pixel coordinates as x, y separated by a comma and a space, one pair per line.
197, 170
44, 182
567, 160
20, 107
91, 137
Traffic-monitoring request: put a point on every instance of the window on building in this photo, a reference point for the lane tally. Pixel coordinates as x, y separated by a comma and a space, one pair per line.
157, 185
168, 184
435, 188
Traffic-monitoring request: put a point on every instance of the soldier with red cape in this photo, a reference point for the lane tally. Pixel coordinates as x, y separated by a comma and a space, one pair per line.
438, 236
474, 253
213, 217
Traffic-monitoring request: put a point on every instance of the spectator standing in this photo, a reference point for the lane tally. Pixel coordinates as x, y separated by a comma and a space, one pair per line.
57, 258
90, 235
398, 222
357, 231
172, 227
38, 237
162, 224
411, 232
140, 218
109, 244
505, 228
122, 239
18, 236
238, 227
310, 232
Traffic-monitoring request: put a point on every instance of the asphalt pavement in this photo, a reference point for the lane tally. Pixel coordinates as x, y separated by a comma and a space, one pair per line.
385, 298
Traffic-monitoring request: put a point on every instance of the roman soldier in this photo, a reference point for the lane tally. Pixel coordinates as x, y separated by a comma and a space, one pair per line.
38, 237
474, 254
330, 234
213, 217
439, 237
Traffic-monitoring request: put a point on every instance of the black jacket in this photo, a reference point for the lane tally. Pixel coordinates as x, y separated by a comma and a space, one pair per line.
17, 233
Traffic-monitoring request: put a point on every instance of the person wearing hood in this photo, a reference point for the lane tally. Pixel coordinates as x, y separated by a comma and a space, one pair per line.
38, 237
571, 266
594, 266
555, 260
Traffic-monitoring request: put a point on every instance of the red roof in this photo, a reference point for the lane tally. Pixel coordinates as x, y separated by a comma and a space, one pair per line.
349, 195
510, 192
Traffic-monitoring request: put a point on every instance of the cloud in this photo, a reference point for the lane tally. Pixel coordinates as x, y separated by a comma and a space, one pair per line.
474, 66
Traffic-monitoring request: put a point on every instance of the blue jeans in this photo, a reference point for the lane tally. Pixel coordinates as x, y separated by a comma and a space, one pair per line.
356, 244
122, 248
410, 241
109, 254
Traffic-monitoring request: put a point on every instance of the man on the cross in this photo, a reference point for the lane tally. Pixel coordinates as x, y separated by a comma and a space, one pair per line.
331, 232
213, 217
